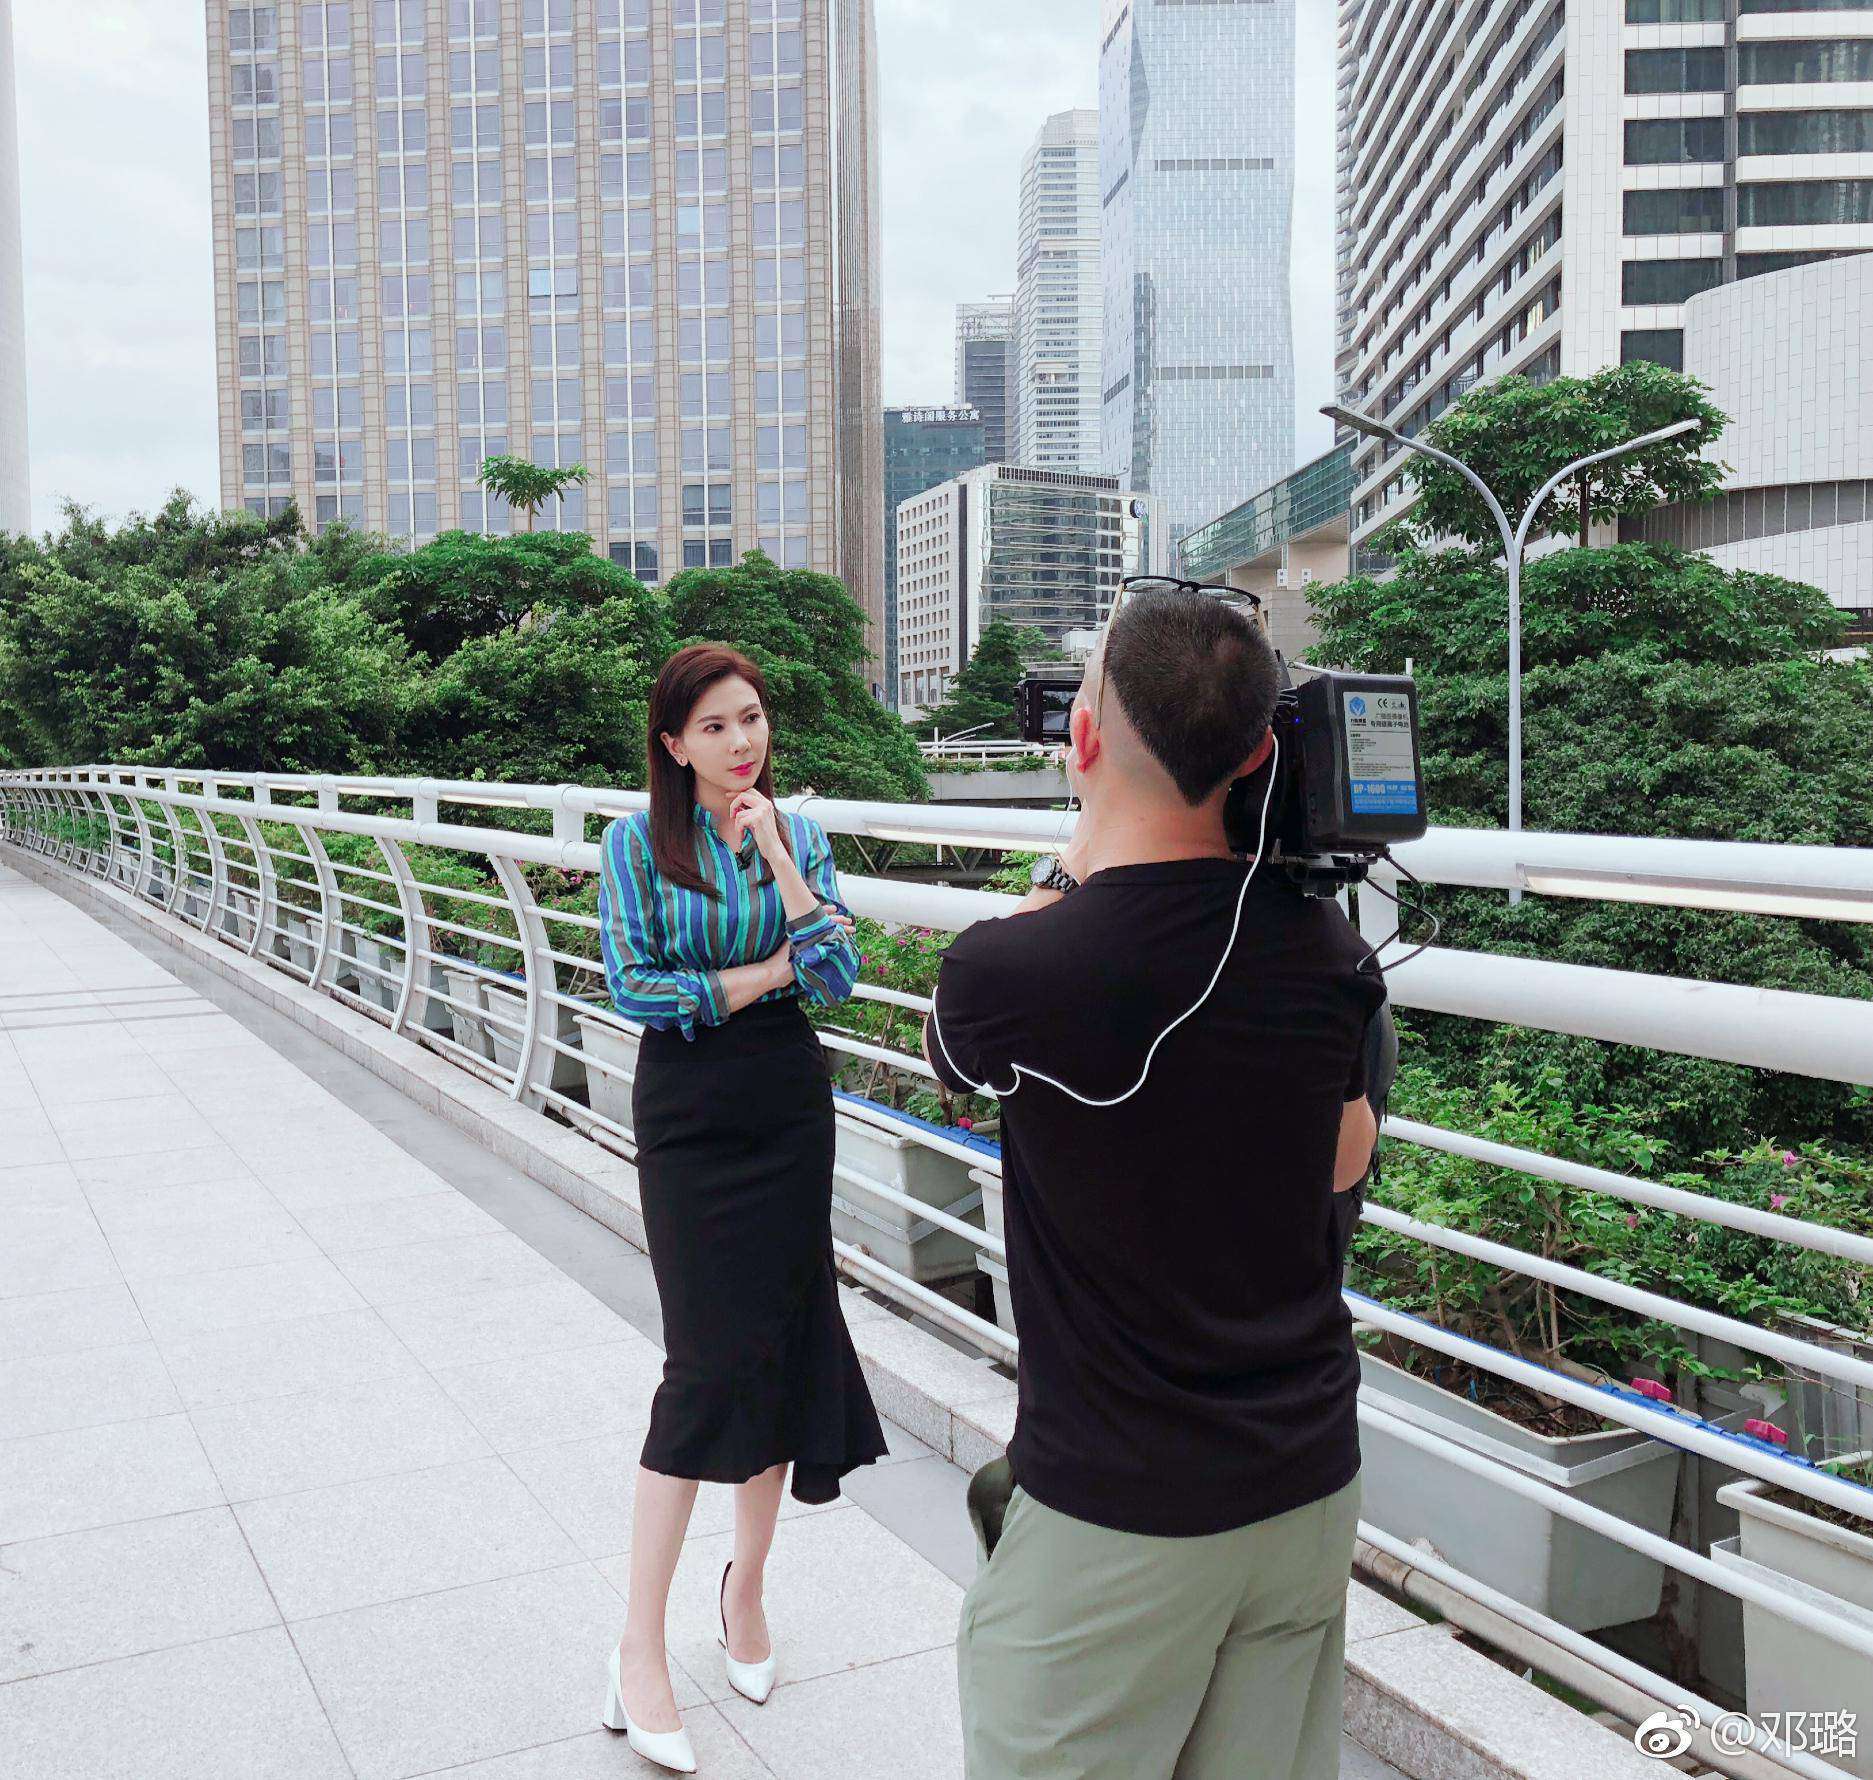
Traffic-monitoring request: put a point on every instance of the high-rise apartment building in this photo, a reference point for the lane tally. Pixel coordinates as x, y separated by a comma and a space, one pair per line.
985, 369
15, 494
1196, 171
632, 234
922, 447
1058, 336
1539, 187
1038, 548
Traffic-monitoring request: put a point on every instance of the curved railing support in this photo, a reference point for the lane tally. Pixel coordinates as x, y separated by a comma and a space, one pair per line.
536, 950
416, 941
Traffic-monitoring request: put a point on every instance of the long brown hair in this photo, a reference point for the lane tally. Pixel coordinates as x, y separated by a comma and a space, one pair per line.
686, 676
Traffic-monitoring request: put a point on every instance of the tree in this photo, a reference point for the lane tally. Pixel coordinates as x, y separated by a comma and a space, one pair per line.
1662, 696
564, 700
982, 696
526, 486
808, 636
191, 639
464, 585
1516, 434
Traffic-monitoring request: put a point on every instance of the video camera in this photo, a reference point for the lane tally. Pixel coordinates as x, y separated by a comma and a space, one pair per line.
1350, 781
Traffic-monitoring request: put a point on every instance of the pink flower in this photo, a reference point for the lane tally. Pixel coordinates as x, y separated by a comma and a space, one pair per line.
863, 958
967, 1124
1632, 1220
1777, 1201
1790, 1159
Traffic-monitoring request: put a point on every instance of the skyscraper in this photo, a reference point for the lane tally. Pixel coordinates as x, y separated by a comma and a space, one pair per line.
922, 447
1057, 325
985, 368
609, 233
857, 214
1545, 195
1196, 171
15, 494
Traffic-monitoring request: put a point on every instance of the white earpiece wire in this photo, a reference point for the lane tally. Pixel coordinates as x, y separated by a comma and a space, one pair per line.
1021, 1069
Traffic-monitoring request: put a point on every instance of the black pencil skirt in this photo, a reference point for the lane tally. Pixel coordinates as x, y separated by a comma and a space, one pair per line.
734, 1162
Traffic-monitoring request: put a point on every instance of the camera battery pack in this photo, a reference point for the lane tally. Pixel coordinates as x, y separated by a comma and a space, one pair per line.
1356, 742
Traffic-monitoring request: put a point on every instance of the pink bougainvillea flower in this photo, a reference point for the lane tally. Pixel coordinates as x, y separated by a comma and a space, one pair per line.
1790, 1159
1777, 1201
967, 1124
1632, 1220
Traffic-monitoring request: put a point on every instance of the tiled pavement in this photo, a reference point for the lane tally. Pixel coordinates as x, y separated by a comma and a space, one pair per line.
318, 1426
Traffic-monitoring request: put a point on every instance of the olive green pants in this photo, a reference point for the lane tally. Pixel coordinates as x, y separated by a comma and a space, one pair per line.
1089, 1654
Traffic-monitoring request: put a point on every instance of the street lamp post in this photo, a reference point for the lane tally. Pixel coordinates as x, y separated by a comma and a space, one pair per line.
1514, 540
937, 739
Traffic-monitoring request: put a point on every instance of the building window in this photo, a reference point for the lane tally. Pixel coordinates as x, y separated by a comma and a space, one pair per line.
1777, 63
1674, 70
1804, 132
254, 83
1810, 202
1667, 281
1685, 210
1674, 12
1753, 265
253, 28
1663, 141
1658, 346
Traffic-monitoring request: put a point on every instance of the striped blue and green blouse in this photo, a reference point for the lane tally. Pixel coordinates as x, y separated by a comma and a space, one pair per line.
665, 946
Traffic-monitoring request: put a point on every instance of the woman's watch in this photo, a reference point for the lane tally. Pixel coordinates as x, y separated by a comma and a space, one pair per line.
1048, 873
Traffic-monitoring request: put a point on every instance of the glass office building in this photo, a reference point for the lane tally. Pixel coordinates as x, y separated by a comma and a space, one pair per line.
1196, 171
922, 447
606, 232
15, 503
985, 369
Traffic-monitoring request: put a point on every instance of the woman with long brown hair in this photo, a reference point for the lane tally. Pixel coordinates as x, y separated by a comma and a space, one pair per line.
717, 914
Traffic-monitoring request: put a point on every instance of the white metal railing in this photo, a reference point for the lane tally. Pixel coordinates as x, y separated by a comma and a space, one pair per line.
981, 753
194, 843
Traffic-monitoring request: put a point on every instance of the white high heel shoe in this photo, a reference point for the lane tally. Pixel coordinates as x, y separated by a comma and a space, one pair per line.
668, 1749
753, 1681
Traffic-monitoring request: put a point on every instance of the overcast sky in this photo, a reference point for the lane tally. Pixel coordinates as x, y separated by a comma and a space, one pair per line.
114, 202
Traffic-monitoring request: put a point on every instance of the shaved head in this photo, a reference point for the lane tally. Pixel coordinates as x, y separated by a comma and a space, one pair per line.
1181, 689
1123, 747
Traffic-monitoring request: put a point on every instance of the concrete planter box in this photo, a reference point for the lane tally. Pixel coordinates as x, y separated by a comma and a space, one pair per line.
378, 990
432, 1016
1790, 1668
892, 1234
1553, 1565
297, 938
511, 1006
466, 1026
604, 1040
239, 914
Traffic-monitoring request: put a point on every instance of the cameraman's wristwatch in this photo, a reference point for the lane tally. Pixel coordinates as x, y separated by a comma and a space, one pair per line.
1049, 874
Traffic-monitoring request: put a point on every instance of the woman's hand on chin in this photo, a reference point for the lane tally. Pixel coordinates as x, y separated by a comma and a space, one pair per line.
750, 812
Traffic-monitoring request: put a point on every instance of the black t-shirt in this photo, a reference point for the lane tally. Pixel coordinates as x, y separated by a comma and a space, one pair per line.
1187, 1362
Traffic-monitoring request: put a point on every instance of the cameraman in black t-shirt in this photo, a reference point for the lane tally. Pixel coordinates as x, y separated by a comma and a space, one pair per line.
1168, 1542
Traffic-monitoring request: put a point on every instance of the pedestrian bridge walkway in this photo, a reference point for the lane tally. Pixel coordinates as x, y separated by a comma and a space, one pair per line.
251, 1225
318, 1426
